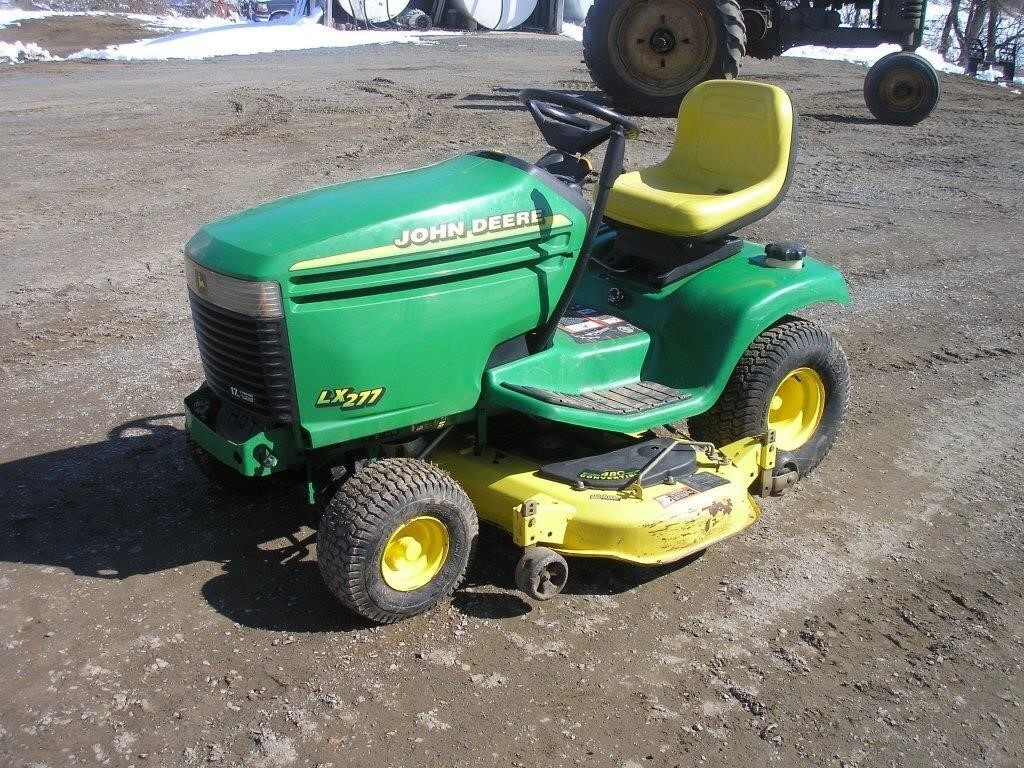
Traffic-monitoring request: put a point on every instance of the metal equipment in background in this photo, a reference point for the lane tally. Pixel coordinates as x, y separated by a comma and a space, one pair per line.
496, 14
646, 54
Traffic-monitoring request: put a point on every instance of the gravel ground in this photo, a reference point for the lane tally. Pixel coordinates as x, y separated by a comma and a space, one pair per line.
873, 617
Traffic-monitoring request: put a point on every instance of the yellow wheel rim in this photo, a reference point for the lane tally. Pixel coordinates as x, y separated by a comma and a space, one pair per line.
796, 408
903, 89
414, 554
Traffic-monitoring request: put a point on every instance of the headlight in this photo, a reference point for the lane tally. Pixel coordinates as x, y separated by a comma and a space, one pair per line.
247, 297
262, 8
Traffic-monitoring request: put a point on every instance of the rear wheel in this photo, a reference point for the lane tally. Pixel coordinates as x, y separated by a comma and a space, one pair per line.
793, 379
901, 88
646, 54
395, 539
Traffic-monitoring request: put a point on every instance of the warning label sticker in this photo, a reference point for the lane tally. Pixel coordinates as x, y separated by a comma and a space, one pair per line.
705, 481
698, 483
586, 325
668, 499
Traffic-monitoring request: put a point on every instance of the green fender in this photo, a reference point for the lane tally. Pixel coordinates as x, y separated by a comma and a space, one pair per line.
701, 325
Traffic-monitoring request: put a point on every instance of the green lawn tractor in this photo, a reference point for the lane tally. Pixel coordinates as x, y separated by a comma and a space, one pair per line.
474, 340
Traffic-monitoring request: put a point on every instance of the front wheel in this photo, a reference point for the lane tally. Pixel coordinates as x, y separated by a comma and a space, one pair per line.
793, 379
396, 539
222, 477
901, 88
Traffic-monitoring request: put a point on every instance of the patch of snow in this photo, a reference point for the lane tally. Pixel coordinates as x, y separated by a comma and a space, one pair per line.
868, 56
576, 10
572, 31
243, 39
14, 53
9, 16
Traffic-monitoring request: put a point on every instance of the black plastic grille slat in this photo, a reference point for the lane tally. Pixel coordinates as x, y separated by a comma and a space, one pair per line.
232, 361
241, 357
229, 333
232, 335
249, 354
251, 381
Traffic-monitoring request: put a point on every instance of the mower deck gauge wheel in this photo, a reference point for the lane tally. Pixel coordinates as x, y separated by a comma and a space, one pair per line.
541, 573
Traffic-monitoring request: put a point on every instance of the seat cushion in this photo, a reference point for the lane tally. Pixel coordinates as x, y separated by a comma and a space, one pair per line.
729, 164
657, 200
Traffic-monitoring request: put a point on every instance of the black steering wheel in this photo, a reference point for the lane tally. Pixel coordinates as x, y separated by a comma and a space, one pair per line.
560, 118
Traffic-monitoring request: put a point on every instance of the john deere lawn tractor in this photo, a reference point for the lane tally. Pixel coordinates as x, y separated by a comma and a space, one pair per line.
646, 54
474, 340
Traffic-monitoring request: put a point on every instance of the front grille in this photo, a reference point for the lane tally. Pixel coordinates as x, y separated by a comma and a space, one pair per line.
245, 359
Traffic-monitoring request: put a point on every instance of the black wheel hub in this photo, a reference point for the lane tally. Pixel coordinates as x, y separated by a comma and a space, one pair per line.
662, 41
903, 90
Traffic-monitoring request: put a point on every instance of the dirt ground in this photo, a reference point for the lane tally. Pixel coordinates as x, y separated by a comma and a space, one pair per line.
873, 617
64, 35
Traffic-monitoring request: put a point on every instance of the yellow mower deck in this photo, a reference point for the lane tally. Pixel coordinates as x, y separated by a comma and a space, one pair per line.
659, 524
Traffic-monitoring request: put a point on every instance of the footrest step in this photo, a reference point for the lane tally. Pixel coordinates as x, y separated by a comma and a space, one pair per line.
630, 398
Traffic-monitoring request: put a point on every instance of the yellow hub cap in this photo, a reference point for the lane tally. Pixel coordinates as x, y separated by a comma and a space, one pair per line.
796, 408
414, 554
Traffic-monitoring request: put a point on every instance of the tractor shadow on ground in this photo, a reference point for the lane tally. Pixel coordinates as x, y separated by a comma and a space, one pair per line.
842, 119
502, 99
133, 504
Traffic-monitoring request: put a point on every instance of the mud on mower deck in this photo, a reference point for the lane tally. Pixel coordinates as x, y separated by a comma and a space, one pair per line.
649, 502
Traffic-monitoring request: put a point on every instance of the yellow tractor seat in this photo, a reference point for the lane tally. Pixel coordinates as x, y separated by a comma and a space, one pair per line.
730, 164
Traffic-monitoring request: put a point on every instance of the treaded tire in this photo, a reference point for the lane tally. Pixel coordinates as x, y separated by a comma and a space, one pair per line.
885, 75
222, 477
742, 409
631, 94
362, 515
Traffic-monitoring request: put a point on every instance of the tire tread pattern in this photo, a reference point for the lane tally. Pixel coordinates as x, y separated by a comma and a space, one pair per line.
597, 57
741, 411
355, 516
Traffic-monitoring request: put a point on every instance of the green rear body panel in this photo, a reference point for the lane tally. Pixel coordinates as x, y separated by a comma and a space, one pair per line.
695, 331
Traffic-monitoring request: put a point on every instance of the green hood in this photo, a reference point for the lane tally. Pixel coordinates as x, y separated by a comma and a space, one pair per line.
368, 217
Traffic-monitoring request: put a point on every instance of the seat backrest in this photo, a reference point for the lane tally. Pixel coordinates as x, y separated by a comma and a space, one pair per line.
732, 134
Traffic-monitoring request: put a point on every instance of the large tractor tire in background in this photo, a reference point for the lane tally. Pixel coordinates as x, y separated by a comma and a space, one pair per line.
646, 54
901, 88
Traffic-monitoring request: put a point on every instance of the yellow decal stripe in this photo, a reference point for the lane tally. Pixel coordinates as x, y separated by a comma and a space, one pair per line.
556, 222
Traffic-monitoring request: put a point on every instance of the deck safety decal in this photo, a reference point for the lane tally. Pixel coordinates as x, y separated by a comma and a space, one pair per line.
586, 325
694, 484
